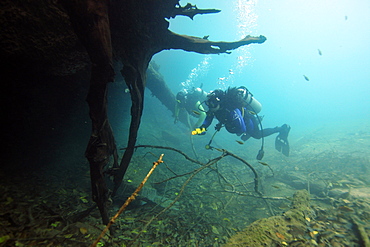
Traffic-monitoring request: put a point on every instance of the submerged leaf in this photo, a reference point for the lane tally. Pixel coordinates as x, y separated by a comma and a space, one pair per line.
4, 238
55, 224
8, 200
129, 219
84, 200
68, 235
279, 235
345, 208
215, 230
83, 230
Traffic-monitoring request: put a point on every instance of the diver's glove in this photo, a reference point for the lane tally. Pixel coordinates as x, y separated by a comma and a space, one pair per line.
199, 131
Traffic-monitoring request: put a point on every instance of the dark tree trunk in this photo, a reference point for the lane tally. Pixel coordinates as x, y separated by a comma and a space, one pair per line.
91, 23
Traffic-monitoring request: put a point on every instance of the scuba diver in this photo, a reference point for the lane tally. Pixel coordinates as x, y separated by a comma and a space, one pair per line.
191, 101
237, 110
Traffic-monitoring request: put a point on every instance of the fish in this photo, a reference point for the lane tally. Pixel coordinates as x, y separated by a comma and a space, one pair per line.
272, 171
306, 78
263, 163
240, 142
345, 18
319, 51
275, 186
196, 112
345, 208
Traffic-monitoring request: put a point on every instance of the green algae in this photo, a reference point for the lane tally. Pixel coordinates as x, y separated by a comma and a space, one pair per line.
276, 230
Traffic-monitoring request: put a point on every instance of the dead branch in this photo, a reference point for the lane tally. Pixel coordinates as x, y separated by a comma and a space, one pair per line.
205, 46
129, 200
224, 154
250, 167
190, 11
169, 148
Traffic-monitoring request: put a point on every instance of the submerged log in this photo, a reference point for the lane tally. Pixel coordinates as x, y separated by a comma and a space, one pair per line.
158, 86
159, 89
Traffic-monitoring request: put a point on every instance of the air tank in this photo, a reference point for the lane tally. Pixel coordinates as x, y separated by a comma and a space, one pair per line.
253, 104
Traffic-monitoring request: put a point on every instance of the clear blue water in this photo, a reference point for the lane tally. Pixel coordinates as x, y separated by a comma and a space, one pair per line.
297, 31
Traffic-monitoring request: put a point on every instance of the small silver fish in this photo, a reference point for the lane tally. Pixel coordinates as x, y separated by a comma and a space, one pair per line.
196, 112
306, 78
319, 51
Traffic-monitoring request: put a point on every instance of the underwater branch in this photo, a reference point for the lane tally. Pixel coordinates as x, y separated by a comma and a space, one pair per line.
205, 46
129, 200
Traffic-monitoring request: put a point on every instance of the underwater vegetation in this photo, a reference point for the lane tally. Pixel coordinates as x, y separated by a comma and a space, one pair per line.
217, 206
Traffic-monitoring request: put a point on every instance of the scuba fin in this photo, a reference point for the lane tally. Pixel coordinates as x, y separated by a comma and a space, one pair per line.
260, 154
245, 137
281, 141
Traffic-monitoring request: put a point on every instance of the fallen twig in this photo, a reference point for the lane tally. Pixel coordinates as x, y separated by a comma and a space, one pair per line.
128, 201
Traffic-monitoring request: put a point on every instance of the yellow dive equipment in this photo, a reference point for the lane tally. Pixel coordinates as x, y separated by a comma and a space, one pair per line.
198, 131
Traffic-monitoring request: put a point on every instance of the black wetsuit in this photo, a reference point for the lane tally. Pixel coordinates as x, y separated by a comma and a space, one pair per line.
239, 122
